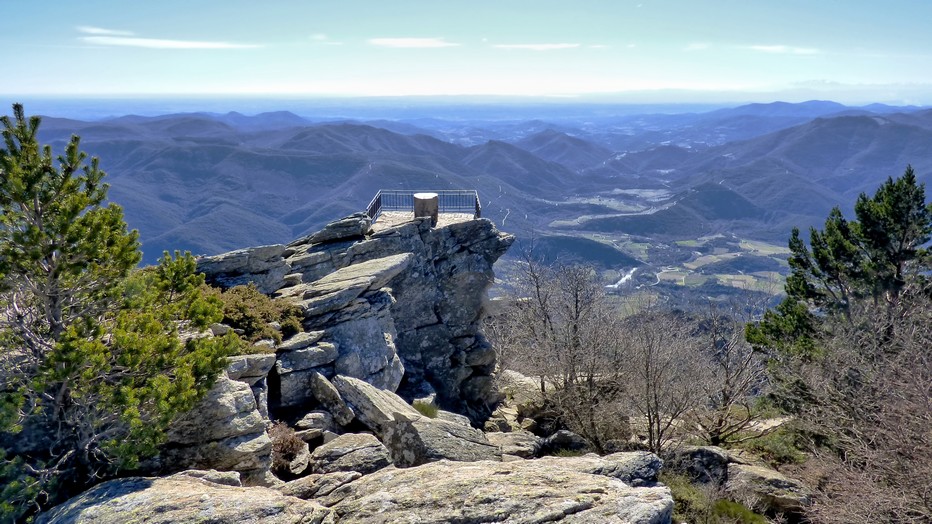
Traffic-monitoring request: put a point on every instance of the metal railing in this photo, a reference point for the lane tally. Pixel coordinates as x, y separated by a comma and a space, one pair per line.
450, 201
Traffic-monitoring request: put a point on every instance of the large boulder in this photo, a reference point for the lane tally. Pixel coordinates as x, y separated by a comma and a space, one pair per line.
521, 444
318, 484
353, 226
329, 397
636, 468
374, 407
184, 498
340, 288
565, 440
525, 491
703, 464
309, 357
250, 368
764, 489
416, 440
224, 431
367, 351
263, 266
360, 452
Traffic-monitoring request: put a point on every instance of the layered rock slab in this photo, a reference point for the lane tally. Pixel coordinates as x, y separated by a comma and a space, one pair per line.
524, 491
224, 431
765, 489
182, 498
359, 452
413, 441
425, 328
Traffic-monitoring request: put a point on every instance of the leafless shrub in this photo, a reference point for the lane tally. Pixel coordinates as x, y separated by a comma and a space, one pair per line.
873, 408
661, 371
286, 446
735, 374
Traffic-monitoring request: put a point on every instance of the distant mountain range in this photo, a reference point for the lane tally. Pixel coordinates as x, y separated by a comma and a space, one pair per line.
213, 182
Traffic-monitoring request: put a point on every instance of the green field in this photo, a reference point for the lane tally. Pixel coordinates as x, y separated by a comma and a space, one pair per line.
762, 248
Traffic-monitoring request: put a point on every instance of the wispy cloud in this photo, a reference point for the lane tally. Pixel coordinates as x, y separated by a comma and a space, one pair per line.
321, 38
418, 43
119, 38
537, 47
91, 30
784, 49
697, 46
158, 43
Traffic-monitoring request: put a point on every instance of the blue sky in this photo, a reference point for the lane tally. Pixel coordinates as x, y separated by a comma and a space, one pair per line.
646, 50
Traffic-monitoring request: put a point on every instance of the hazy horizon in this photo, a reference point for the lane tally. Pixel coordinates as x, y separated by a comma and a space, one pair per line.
372, 108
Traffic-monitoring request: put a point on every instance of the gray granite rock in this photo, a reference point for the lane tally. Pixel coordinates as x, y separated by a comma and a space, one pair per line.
374, 407
263, 266
300, 341
318, 485
250, 368
225, 431
360, 452
353, 226
523, 491
330, 398
321, 354
184, 498
517, 443
416, 440
703, 464
765, 489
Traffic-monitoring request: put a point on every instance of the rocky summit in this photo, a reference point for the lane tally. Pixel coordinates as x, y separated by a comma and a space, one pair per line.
397, 308
391, 323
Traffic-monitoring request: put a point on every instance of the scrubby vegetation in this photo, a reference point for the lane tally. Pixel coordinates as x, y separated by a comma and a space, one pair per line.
248, 310
286, 446
705, 504
846, 356
428, 409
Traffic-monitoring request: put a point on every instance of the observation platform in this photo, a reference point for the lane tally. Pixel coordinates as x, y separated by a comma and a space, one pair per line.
392, 207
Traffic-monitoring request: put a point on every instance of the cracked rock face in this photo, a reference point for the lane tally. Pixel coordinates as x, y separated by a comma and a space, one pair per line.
524, 491
183, 498
224, 431
400, 306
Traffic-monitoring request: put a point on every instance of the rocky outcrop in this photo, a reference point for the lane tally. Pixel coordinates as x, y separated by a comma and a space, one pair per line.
565, 440
764, 489
318, 485
398, 306
388, 317
360, 452
253, 370
416, 440
703, 464
184, 498
374, 407
522, 402
524, 491
411, 438
262, 266
636, 468
225, 431
522, 444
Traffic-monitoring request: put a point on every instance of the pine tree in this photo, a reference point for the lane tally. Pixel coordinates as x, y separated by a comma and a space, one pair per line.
870, 262
92, 367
